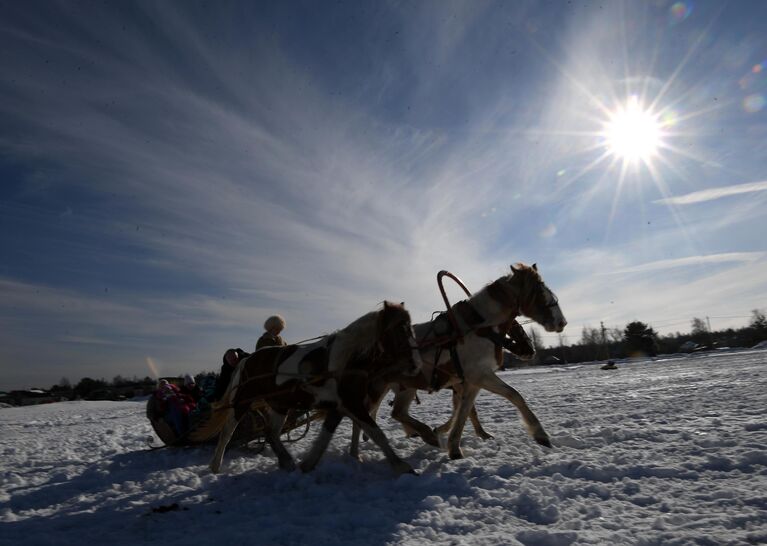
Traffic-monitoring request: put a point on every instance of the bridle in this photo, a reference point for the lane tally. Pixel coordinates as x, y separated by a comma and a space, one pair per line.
391, 349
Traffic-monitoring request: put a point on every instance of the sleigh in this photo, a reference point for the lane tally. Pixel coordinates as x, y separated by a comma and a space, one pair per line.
250, 432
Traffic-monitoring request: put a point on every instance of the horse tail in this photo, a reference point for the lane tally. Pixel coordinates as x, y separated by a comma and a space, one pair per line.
213, 425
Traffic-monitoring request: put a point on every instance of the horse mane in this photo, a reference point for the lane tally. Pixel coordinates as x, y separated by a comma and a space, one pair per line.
526, 270
361, 336
522, 272
357, 338
518, 279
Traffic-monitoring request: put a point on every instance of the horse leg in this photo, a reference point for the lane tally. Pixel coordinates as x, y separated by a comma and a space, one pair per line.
456, 397
473, 416
329, 426
377, 397
223, 440
468, 396
495, 384
354, 445
402, 401
273, 431
352, 392
369, 427
478, 428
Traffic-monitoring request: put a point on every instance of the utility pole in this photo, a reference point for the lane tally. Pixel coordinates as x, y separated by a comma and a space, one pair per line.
605, 350
562, 349
708, 322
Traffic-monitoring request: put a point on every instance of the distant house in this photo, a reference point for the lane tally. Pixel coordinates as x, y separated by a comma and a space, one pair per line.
688, 346
29, 397
5, 398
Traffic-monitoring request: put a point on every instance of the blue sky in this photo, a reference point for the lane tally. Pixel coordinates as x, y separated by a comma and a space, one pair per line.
174, 172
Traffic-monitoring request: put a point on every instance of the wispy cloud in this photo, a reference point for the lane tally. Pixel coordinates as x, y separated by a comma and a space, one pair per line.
713, 193
692, 261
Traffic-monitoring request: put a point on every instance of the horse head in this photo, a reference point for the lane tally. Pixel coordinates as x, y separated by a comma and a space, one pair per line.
396, 338
535, 299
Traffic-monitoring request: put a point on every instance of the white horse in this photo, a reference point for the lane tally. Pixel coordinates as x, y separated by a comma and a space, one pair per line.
465, 339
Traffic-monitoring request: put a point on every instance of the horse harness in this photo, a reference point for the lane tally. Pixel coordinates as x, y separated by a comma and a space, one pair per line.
312, 369
452, 325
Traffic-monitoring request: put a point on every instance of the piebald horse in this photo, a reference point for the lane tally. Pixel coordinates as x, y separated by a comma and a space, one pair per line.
522, 292
331, 375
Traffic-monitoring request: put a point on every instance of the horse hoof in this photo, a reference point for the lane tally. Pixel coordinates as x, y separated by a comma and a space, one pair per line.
413, 472
288, 466
456, 454
404, 468
544, 441
486, 436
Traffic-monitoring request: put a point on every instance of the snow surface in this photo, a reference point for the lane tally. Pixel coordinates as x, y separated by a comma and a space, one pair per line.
665, 452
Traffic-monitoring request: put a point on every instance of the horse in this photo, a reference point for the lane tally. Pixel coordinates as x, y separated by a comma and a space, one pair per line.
513, 338
330, 375
464, 355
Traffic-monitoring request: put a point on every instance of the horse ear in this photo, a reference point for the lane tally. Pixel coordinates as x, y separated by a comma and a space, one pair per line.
402, 303
535, 267
514, 270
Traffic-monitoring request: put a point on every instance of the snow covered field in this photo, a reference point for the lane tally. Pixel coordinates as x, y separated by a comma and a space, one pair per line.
664, 452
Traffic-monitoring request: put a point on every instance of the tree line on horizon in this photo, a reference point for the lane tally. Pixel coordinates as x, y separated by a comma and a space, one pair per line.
640, 339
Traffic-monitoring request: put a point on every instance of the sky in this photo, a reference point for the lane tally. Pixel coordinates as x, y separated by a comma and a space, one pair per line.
172, 173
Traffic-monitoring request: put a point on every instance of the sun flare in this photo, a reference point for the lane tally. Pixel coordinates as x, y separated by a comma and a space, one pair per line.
633, 133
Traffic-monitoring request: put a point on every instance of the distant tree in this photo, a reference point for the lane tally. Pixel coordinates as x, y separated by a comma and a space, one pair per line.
758, 320
591, 336
87, 385
591, 340
698, 326
536, 339
640, 338
614, 335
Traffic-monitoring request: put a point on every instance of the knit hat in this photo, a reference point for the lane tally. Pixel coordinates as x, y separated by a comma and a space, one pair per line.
275, 321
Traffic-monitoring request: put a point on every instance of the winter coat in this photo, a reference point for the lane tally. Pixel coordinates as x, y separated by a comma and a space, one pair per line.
226, 375
269, 340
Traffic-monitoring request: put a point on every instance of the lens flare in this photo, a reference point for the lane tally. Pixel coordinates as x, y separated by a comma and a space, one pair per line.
152, 367
679, 11
754, 103
669, 118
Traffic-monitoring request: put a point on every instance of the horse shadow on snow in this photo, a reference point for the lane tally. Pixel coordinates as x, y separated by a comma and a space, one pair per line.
143, 496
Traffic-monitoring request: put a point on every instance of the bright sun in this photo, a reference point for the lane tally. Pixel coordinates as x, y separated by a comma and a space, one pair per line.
633, 133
